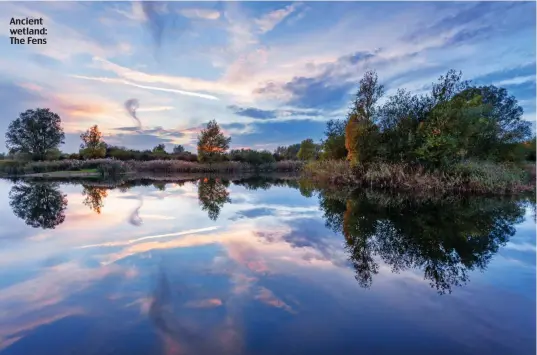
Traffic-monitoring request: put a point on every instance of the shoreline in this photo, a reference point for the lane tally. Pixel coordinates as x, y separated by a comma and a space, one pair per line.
471, 177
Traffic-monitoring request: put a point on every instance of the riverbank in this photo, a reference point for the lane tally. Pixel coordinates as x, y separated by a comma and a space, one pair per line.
112, 167
468, 177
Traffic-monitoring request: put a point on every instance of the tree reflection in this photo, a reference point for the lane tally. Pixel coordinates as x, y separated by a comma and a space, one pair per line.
39, 204
445, 239
94, 197
212, 195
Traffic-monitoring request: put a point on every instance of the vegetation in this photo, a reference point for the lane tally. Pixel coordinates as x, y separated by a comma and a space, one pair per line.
92, 146
458, 137
212, 144
35, 133
308, 150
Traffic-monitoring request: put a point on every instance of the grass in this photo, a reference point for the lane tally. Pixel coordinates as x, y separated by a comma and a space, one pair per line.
112, 167
470, 176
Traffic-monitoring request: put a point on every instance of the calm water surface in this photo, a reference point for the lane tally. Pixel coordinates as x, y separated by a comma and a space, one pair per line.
254, 267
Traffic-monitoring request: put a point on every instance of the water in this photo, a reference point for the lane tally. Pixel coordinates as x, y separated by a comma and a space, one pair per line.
261, 267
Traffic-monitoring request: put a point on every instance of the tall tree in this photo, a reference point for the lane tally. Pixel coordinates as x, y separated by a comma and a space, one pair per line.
360, 132
93, 145
212, 144
35, 132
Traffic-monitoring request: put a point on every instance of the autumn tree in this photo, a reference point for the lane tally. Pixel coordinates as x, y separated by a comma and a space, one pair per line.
35, 132
212, 144
361, 131
92, 146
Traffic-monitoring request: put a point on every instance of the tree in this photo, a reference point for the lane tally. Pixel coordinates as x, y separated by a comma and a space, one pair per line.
40, 205
92, 146
161, 148
35, 132
212, 144
307, 150
178, 149
500, 127
361, 131
398, 121
333, 146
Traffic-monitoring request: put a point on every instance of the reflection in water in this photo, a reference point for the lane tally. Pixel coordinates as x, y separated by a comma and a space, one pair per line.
213, 194
39, 204
134, 217
273, 277
445, 239
94, 197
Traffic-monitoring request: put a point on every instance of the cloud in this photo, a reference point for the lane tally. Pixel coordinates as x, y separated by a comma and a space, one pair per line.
206, 14
125, 82
516, 80
328, 89
270, 20
267, 296
521, 247
207, 303
45, 60
281, 114
253, 112
158, 131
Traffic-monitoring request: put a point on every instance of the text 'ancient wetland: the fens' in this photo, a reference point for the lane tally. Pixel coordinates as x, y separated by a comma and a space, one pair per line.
27, 31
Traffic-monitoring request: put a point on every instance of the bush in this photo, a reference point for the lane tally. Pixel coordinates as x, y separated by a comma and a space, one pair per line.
11, 167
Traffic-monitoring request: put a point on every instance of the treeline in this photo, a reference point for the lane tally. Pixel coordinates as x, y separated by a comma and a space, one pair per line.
454, 122
26, 142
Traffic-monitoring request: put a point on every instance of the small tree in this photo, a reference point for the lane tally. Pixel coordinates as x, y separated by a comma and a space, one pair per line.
161, 148
334, 144
92, 146
35, 132
178, 149
308, 150
212, 144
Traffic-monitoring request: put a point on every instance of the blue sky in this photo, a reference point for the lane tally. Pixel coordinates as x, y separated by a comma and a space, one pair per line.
271, 73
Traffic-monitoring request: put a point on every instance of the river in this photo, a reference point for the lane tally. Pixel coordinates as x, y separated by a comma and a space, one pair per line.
262, 266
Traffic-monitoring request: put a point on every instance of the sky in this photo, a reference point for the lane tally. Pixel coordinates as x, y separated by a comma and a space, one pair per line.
270, 73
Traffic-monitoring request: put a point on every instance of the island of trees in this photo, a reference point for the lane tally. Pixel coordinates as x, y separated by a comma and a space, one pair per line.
457, 137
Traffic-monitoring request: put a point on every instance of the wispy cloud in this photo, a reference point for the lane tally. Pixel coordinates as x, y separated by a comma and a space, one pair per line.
516, 80
126, 82
270, 20
206, 14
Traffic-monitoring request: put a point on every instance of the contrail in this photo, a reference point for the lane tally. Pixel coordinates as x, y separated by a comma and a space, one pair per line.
126, 82
131, 106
